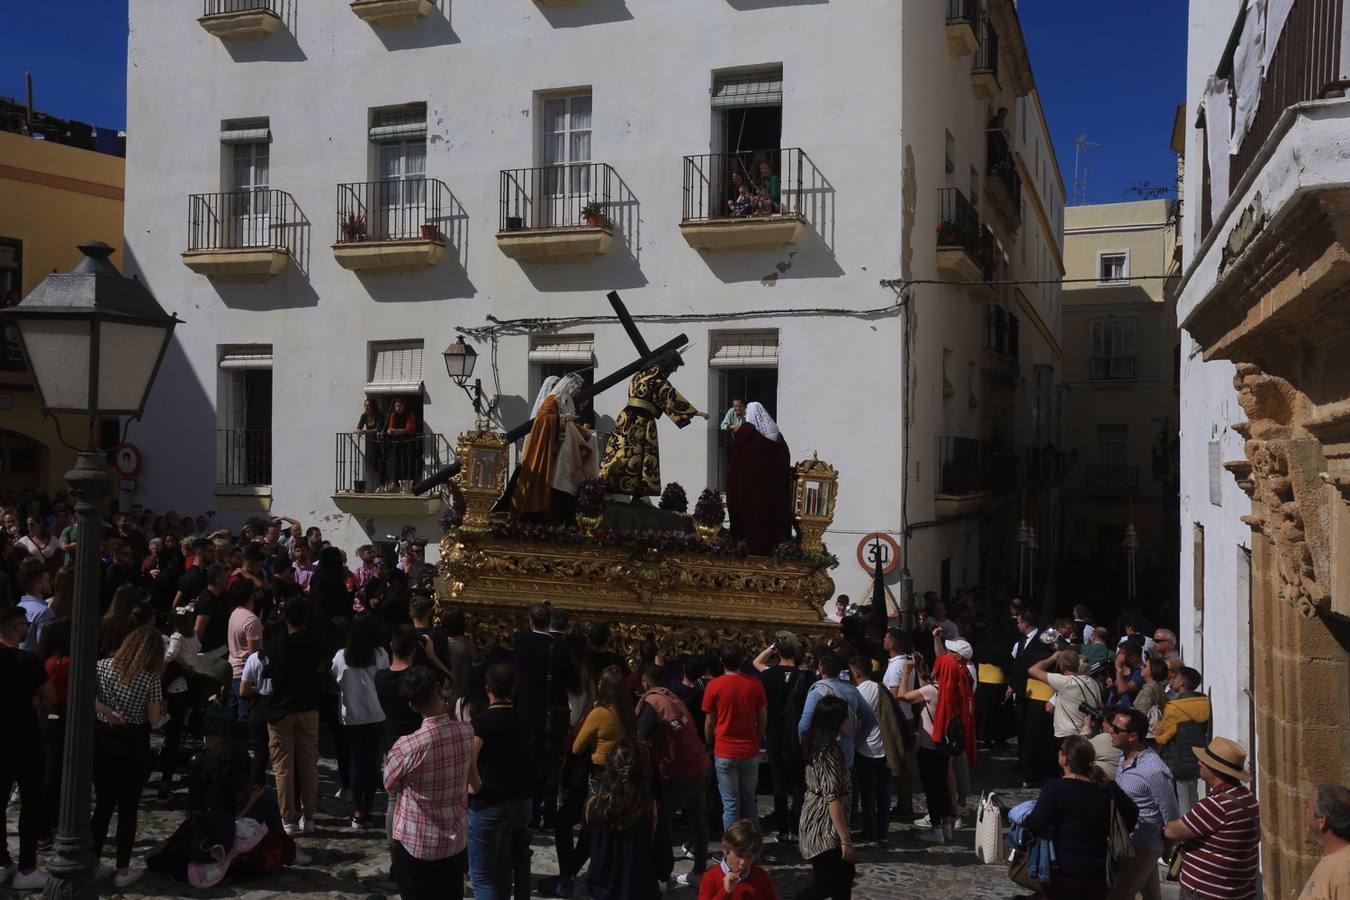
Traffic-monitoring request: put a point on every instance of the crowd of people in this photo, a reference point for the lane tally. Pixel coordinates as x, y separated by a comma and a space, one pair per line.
251, 654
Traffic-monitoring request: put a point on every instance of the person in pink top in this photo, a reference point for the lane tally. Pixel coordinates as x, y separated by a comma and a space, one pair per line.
243, 636
737, 715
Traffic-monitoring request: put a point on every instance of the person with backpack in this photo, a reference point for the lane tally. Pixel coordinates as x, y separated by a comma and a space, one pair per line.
862, 720
1184, 728
682, 767
785, 686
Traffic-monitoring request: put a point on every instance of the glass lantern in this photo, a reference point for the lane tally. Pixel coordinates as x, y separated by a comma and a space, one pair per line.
817, 485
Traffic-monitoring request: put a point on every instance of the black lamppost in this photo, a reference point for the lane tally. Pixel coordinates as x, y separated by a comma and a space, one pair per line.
459, 362
93, 341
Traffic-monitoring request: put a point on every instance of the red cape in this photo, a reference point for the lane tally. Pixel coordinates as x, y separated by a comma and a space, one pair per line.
759, 490
956, 700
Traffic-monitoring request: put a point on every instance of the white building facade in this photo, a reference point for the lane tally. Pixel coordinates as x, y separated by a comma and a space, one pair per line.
356, 192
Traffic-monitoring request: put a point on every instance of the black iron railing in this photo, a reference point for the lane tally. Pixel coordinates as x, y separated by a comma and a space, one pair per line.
561, 196
243, 457
229, 7
1111, 479
962, 11
960, 463
231, 220
393, 209
986, 57
1001, 165
1002, 332
387, 463
713, 182
1112, 368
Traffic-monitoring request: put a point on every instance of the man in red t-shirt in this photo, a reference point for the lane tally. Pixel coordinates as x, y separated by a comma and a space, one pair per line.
737, 709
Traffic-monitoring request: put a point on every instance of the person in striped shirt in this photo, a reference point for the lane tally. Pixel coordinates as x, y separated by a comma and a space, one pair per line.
1223, 831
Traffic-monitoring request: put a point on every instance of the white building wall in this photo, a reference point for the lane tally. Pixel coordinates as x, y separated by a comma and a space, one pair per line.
649, 65
1215, 628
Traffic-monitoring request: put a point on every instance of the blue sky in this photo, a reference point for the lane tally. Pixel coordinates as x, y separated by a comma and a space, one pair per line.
1112, 71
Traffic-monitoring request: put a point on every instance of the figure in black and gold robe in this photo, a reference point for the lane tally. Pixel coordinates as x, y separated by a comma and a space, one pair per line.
632, 460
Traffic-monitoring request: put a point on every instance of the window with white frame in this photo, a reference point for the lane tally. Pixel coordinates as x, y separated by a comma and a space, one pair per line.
398, 137
246, 144
744, 367
1113, 348
564, 152
559, 354
244, 416
1113, 267
394, 368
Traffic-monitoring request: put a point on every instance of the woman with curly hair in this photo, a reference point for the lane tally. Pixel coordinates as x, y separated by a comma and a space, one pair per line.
621, 820
130, 700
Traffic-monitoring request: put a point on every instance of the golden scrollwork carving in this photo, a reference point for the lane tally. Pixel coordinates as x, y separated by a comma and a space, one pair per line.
482, 474
814, 498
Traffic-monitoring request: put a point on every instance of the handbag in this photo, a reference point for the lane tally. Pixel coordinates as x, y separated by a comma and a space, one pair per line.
1019, 872
1119, 849
989, 830
1173, 859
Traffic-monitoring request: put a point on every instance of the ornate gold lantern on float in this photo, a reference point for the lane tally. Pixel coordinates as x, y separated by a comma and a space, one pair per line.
482, 478
817, 486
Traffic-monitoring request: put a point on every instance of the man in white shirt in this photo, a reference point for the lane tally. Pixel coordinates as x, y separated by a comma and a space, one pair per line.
899, 679
1072, 691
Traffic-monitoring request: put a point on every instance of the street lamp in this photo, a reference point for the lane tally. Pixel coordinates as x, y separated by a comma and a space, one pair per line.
93, 341
459, 362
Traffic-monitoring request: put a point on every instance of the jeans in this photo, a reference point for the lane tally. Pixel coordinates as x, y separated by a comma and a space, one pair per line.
426, 879
121, 764
736, 780
686, 794
24, 765
366, 743
293, 742
789, 790
831, 876
493, 835
874, 790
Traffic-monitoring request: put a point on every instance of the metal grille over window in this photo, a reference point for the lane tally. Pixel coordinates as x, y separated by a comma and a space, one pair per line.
748, 89
745, 349
395, 368
573, 349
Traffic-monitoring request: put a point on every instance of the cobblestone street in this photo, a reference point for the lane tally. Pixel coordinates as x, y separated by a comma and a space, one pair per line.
352, 864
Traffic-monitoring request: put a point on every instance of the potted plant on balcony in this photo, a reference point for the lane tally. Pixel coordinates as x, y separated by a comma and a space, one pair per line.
430, 232
353, 228
708, 514
593, 215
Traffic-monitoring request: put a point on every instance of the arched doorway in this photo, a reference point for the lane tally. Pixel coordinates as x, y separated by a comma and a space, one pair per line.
23, 462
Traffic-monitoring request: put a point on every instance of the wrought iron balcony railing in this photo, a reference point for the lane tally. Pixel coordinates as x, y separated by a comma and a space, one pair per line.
393, 209
233, 220
243, 457
561, 196
713, 184
387, 463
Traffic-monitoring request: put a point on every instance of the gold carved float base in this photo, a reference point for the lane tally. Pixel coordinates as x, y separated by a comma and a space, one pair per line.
688, 601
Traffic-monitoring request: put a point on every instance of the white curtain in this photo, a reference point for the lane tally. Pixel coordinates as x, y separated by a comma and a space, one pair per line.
1277, 13
1218, 134
1247, 71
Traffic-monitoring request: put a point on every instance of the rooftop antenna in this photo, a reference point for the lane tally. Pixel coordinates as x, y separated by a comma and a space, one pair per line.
1080, 180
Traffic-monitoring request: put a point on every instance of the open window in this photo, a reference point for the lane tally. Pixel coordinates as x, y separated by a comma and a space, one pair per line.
398, 137
747, 107
244, 417
557, 355
745, 368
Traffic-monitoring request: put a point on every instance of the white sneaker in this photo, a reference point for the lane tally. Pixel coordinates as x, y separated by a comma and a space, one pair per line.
33, 881
291, 829
7, 872
306, 825
688, 879
925, 822
133, 875
302, 858
933, 836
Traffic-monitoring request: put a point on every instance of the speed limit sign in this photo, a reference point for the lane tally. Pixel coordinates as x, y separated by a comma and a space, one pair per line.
878, 545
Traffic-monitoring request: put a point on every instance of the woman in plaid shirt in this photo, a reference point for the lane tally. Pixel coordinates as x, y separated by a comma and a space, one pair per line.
432, 771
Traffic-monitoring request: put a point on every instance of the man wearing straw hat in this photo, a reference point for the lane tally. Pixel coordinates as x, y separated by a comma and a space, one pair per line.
1223, 831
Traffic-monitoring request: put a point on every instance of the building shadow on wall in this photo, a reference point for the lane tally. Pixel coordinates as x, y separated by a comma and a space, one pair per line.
282, 45
591, 12
617, 269
432, 30
289, 290
769, 4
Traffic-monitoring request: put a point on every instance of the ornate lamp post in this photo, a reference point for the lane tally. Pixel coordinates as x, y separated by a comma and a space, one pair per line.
459, 362
93, 341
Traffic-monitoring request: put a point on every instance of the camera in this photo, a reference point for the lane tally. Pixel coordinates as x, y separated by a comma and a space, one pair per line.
1096, 712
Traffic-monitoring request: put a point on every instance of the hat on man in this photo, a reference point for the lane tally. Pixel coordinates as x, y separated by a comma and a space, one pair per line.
961, 648
1225, 757
788, 644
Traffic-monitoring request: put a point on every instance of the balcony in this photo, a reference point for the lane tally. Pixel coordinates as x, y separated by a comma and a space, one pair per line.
1002, 184
962, 16
244, 469
717, 217
969, 472
392, 12
984, 68
1111, 368
240, 20
374, 474
245, 235
1111, 479
1002, 345
965, 250
392, 225
556, 214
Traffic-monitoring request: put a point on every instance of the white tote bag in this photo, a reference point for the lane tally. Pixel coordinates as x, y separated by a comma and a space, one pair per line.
989, 831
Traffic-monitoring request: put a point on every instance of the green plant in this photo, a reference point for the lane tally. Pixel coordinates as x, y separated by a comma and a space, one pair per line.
353, 226
591, 210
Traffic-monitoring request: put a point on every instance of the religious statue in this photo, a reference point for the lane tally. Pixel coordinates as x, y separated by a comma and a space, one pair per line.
632, 461
759, 482
559, 454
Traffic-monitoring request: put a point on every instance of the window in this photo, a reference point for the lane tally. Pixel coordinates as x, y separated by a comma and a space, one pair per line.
559, 354
11, 290
1111, 445
745, 367
394, 368
244, 416
564, 149
949, 148
748, 111
398, 138
247, 213
1113, 267
1113, 348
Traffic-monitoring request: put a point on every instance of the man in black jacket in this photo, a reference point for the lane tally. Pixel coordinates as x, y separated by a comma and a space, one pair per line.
541, 686
1029, 714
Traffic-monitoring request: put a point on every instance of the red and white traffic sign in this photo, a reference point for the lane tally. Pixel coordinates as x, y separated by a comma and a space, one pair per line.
878, 542
127, 460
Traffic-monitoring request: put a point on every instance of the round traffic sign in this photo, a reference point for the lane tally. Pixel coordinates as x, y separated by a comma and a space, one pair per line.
127, 460
878, 542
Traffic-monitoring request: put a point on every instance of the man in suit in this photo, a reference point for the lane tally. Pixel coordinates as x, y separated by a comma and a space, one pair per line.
536, 656
1028, 712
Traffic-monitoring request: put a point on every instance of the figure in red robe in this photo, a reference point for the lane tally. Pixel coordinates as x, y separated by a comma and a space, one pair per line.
759, 483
